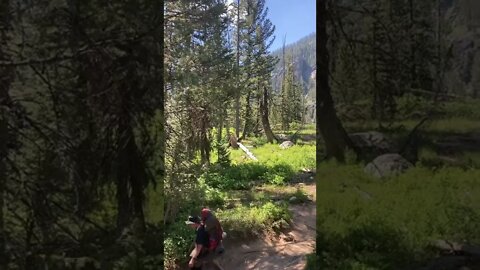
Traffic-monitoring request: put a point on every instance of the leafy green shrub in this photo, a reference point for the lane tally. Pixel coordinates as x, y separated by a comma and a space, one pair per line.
247, 220
275, 178
236, 177
300, 196
313, 262
178, 239
258, 141
214, 197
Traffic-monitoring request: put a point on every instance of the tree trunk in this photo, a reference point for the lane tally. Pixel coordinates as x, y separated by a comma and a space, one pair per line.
130, 176
439, 79
3, 178
283, 58
248, 114
227, 123
413, 67
220, 127
264, 112
237, 96
204, 141
123, 198
5, 80
258, 117
334, 135
3, 169
85, 70
138, 180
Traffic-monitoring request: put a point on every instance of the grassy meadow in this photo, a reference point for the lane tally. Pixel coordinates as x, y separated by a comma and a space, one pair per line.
369, 223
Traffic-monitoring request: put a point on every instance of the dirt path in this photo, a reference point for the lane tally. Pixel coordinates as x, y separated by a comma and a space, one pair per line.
285, 252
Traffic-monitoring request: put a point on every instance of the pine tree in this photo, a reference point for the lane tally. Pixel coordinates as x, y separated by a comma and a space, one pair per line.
200, 88
258, 63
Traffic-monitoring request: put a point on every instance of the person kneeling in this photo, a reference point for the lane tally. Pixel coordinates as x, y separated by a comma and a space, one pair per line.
200, 255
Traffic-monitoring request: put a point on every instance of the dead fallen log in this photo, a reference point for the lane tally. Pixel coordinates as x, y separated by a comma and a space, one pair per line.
249, 154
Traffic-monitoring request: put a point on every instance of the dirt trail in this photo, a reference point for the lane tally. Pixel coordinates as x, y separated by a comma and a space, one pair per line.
284, 252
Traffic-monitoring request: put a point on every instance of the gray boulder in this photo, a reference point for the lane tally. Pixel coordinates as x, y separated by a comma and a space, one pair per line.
388, 165
286, 144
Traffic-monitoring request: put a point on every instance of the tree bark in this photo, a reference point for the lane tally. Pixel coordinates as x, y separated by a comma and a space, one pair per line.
413, 66
439, 79
3, 170
138, 181
248, 114
3, 180
130, 176
131, 173
204, 140
123, 198
237, 96
334, 135
220, 127
264, 112
5, 80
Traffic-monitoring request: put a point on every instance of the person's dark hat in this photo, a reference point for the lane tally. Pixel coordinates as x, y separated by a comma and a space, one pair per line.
193, 220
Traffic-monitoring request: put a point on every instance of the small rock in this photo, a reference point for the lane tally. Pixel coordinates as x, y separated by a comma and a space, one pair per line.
288, 238
286, 144
293, 199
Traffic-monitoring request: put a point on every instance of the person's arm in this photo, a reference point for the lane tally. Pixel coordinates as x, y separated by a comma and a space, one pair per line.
195, 253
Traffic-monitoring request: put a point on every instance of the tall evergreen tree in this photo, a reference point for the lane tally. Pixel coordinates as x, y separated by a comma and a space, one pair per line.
331, 130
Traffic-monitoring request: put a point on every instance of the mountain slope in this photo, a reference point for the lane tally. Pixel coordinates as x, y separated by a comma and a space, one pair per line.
463, 40
303, 53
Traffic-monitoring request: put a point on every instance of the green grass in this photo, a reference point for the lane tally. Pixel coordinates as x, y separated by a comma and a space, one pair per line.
306, 129
394, 224
446, 125
467, 109
366, 223
253, 220
465, 160
449, 125
451, 117
297, 157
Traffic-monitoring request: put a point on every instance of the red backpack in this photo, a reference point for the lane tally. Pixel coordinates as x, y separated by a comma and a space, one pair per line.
217, 236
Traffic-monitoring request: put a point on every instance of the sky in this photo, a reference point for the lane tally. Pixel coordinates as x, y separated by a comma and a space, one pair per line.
294, 18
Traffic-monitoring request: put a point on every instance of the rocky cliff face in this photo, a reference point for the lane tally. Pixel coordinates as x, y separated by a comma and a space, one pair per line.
303, 54
462, 41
